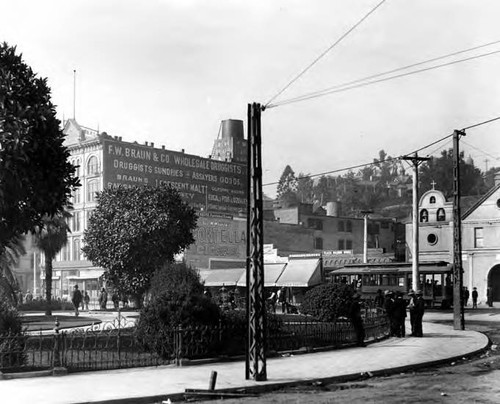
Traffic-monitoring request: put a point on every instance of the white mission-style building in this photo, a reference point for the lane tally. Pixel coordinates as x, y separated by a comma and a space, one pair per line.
480, 237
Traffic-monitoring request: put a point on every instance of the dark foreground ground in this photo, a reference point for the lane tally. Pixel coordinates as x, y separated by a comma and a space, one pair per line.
469, 380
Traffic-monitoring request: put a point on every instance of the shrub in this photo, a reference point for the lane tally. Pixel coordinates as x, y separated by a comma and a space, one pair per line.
176, 300
327, 302
12, 336
41, 305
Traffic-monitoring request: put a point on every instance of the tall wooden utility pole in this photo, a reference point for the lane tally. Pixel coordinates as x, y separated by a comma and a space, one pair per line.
256, 310
414, 263
458, 280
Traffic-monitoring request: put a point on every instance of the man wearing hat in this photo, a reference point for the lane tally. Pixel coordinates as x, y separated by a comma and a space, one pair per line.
474, 297
76, 299
357, 320
419, 313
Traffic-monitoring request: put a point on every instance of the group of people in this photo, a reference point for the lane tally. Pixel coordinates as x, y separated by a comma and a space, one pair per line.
396, 308
78, 298
278, 297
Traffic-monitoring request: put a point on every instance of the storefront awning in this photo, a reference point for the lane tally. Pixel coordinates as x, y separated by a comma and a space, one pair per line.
220, 277
86, 275
301, 273
272, 272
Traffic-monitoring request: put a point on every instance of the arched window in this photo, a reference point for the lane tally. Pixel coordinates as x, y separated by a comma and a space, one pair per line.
424, 215
92, 165
76, 249
440, 215
432, 199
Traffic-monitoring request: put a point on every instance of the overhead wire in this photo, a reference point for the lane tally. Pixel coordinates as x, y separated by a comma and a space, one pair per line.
342, 37
400, 158
385, 73
367, 83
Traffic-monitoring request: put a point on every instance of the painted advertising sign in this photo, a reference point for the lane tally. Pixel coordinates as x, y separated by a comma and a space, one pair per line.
207, 185
217, 238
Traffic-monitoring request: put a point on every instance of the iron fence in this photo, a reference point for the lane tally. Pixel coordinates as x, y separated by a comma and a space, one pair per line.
117, 345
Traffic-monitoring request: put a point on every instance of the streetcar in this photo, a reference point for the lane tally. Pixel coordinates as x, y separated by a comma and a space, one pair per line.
435, 280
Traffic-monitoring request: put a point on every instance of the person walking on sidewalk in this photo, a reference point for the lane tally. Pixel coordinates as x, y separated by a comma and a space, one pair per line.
76, 299
474, 298
466, 296
389, 309
419, 313
357, 320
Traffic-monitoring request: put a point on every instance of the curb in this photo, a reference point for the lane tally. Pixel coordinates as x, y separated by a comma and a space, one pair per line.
276, 386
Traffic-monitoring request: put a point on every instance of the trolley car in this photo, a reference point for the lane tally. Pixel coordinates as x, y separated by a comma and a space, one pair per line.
435, 280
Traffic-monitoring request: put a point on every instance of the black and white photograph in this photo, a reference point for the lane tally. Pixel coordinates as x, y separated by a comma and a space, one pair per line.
268, 201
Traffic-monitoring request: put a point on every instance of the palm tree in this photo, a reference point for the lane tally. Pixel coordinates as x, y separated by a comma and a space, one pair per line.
9, 258
50, 238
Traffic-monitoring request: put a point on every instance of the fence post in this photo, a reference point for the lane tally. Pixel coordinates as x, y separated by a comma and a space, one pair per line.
178, 347
58, 369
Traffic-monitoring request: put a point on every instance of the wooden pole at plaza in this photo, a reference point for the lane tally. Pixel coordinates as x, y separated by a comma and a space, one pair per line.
458, 303
415, 248
255, 365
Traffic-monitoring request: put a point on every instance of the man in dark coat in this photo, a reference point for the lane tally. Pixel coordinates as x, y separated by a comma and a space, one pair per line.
389, 309
399, 315
419, 313
474, 298
357, 320
76, 299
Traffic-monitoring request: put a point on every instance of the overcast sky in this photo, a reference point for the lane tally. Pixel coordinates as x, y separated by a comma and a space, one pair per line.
169, 71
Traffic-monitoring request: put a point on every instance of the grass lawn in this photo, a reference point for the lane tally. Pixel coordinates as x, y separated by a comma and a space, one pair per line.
43, 322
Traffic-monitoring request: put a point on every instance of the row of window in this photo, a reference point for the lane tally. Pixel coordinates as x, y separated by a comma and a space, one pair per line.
440, 215
344, 226
92, 188
72, 251
432, 238
92, 166
342, 244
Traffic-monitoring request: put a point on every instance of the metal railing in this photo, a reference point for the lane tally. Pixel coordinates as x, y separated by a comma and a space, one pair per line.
116, 345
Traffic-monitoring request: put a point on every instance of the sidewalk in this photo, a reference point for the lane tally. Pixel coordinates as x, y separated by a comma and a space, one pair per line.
148, 385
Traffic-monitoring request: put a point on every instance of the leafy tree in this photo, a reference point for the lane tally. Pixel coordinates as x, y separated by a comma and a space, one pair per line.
175, 279
36, 178
305, 188
135, 231
50, 238
287, 188
440, 171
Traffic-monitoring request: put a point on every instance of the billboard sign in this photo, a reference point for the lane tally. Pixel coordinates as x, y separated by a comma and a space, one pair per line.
207, 185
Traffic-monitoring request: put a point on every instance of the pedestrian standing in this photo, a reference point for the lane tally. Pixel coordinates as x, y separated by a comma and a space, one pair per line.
419, 313
76, 299
389, 309
399, 315
86, 300
474, 297
411, 309
116, 300
103, 299
357, 320
489, 296
466, 295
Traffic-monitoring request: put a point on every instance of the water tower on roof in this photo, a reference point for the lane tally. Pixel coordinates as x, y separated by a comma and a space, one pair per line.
230, 144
